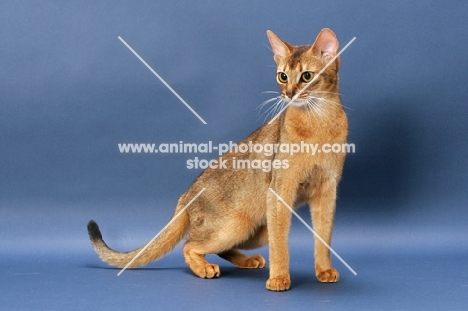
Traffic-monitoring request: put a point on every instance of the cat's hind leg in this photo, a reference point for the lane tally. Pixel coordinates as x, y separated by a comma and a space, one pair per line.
224, 244
241, 260
194, 253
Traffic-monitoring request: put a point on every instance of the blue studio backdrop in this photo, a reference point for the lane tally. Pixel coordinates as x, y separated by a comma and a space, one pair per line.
71, 91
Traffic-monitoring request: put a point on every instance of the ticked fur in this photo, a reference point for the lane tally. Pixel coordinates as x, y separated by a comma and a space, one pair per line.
237, 210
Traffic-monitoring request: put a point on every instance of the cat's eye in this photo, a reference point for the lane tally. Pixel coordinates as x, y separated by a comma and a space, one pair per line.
307, 76
282, 77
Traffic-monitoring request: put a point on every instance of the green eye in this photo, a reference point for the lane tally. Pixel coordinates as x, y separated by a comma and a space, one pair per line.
307, 76
282, 77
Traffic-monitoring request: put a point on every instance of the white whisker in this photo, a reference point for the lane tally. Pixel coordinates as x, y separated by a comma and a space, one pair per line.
315, 104
274, 108
328, 101
312, 109
326, 92
266, 102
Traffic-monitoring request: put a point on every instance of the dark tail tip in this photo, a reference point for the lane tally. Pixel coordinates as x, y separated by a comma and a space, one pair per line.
93, 231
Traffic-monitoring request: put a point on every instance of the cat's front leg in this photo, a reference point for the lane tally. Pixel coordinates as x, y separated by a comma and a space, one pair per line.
322, 206
278, 222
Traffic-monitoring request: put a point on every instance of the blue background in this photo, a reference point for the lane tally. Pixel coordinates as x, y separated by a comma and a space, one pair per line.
70, 91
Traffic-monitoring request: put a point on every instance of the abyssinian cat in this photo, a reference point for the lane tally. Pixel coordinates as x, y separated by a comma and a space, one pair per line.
237, 210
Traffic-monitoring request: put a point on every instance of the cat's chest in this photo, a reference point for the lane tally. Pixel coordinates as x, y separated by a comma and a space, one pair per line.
298, 132
297, 128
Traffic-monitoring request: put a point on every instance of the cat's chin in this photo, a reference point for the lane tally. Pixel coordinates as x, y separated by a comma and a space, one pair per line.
298, 102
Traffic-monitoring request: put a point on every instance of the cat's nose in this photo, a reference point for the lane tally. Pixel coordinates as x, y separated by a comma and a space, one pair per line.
290, 94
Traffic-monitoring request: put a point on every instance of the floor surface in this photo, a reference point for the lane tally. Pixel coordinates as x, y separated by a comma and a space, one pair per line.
388, 278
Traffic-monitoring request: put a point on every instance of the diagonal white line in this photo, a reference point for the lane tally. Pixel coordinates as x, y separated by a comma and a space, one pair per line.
312, 230
159, 233
162, 80
312, 81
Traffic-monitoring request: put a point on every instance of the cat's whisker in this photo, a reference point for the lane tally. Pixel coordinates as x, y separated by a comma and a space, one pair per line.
324, 100
309, 108
277, 106
327, 92
266, 102
313, 110
311, 101
331, 101
266, 113
280, 106
337, 104
272, 108
309, 112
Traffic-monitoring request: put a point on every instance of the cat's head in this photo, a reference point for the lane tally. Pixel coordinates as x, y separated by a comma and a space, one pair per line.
297, 66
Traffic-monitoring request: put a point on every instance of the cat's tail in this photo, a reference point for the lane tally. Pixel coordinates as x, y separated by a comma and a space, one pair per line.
160, 246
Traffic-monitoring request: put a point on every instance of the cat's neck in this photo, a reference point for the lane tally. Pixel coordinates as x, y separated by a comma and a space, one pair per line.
329, 125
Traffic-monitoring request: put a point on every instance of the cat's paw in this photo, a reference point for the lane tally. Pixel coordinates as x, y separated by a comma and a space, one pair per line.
330, 275
255, 261
279, 283
207, 271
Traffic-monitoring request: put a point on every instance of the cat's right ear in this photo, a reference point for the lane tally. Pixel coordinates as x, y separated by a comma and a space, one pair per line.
280, 49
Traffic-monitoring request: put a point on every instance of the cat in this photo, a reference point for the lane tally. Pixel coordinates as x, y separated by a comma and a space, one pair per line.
237, 210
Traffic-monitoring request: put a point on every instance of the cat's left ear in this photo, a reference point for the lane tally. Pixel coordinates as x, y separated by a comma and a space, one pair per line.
326, 45
280, 48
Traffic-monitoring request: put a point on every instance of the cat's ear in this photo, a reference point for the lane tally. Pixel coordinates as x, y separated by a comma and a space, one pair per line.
280, 48
326, 45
